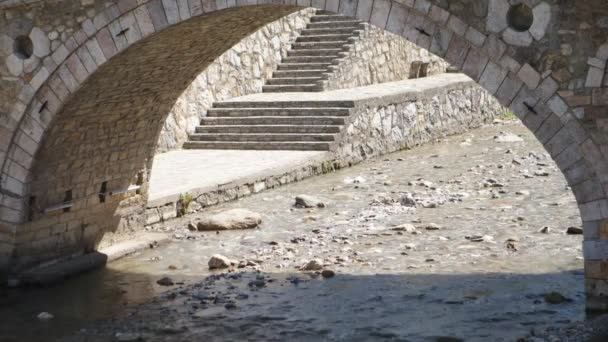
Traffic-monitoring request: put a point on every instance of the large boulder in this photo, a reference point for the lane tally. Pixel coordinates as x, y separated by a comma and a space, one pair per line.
231, 219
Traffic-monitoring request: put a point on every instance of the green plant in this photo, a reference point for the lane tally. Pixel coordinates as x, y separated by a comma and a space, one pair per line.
184, 202
509, 115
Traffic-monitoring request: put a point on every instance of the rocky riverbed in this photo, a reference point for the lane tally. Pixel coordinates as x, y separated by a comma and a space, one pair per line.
476, 238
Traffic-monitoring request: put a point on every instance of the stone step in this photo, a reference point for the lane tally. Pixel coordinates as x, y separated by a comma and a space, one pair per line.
315, 52
303, 66
324, 12
325, 38
342, 45
292, 88
231, 145
308, 59
296, 129
244, 112
259, 137
329, 17
293, 80
284, 104
322, 73
330, 24
330, 30
274, 120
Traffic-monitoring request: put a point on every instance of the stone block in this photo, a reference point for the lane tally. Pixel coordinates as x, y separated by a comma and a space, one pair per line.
94, 49
77, 68
422, 6
516, 38
557, 105
596, 249
547, 88
106, 43
68, 79
458, 26
380, 13
595, 77
196, 7
41, 42
397, 19
496, 21
60, 54
457, 52
348, 7
157, 14
475, 37
529, 76
492, 77
542, 17
508, 89
474, 64
364, 10
438, 15
86, 59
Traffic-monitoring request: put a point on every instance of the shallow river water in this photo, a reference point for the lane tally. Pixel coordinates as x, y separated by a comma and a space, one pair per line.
490, 244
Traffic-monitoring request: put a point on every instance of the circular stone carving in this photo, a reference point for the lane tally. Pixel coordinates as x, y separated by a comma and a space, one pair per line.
23, 47
520, 17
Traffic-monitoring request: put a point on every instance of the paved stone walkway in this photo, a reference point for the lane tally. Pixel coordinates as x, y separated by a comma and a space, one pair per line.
382, 90
197, 171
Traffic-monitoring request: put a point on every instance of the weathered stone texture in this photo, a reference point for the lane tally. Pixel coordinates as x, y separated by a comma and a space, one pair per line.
242, 70
390, 125
379, 56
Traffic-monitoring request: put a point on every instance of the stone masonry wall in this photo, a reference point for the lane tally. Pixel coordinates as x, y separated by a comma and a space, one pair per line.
379, 56
394, 124
242, 70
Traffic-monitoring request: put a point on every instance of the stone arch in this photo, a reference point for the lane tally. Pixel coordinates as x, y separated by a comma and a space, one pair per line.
482, 45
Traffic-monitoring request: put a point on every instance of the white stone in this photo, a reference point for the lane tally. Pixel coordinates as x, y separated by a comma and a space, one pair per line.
513, 37
595, 77
41, 42
14, 65
497, 15
542, 17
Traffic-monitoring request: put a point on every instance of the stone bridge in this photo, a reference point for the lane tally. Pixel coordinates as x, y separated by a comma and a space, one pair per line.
86, 86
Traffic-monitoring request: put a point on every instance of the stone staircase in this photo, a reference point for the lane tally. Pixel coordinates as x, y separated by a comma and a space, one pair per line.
288, 125
280, 125
321, 45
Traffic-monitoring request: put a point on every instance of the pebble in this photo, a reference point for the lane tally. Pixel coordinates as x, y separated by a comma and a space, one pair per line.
166, 281
545, 230
45, 316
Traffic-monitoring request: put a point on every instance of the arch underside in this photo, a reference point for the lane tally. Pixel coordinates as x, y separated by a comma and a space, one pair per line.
105, 129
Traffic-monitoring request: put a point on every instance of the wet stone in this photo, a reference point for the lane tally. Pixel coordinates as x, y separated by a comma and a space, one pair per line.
306, 201
165, 281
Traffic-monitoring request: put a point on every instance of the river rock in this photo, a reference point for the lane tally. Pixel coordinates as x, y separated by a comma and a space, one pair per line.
45, 316
574, 231
313, 265
218, 261
508, 138
306, 201
230, 219
406, 227
128, 337
328, 273
555, 298
166, 281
